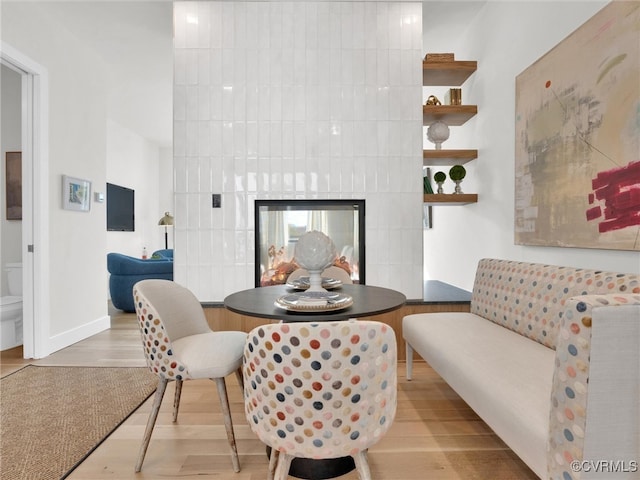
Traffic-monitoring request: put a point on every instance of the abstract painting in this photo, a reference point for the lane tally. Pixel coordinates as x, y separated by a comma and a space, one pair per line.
577, 155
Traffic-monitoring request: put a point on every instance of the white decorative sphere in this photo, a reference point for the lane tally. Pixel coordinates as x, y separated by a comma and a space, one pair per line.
315, 251
437, 133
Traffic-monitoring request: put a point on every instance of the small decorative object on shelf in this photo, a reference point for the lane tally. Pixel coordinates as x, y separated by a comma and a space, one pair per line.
457, 173
433, 100
437, 133
454, 96
426, 185
439, 178
439, 57
315, 251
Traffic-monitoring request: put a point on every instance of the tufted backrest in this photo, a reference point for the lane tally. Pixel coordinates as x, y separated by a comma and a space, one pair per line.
166, 312
530, 298
320, 390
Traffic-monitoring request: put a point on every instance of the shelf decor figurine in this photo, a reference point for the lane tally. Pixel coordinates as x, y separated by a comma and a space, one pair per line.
437, 133
457, 173
315, 252
433, 100
439, 178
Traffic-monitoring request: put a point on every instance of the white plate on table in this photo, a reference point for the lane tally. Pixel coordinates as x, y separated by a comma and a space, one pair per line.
302, 283
314, 301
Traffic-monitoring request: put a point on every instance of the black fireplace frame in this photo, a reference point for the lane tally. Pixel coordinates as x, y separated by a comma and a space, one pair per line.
315, 204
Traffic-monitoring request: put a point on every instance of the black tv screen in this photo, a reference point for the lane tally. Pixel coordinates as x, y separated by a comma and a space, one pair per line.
120, 209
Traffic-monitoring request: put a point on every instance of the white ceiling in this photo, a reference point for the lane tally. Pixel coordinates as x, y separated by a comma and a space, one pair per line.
135, 40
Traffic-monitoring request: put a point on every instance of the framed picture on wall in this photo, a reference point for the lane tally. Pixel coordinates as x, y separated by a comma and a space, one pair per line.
13, 179
76, 194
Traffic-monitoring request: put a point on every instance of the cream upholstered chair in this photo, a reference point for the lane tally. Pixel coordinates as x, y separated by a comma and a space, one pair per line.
179, 345
320, 390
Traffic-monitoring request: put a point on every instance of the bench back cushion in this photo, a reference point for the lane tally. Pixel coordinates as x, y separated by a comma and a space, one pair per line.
529, 298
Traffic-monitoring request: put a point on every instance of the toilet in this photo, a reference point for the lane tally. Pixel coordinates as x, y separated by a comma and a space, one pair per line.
11, 309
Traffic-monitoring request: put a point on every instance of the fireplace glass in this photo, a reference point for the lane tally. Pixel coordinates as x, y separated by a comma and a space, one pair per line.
279, 224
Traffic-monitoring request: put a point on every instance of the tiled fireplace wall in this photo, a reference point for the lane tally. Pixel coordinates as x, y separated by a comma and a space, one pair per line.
277, 100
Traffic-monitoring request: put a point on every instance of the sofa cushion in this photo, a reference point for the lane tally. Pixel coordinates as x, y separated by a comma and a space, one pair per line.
530, 298
503, 376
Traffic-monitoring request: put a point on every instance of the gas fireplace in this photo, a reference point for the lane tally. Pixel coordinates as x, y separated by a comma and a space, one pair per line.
279, 224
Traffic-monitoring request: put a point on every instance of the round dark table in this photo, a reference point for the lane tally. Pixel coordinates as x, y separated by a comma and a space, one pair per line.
367, 300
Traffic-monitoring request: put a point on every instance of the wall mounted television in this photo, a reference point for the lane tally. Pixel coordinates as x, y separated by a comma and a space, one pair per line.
120, 208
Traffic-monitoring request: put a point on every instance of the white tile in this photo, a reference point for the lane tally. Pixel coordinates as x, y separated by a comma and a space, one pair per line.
215, 24
227, 24
239, 102
204, 25
204, 100
191, 66
240, 139
204, 140
227, 138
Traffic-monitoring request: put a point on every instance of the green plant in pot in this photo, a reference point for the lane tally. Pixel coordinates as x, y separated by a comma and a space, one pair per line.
457, 173
439, 178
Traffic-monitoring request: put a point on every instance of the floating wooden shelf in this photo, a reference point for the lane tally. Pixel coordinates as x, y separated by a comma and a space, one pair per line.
447, 73
450, 198
452, 115
447, 157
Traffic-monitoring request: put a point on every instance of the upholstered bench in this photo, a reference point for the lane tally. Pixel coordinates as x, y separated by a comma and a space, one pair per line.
549, 358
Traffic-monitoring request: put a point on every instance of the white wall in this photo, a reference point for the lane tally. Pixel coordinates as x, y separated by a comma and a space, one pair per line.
82, 140
77, 125
10, 141
296, 100
134, 162
505, 38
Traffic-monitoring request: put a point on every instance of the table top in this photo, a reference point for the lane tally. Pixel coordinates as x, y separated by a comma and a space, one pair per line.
367, 300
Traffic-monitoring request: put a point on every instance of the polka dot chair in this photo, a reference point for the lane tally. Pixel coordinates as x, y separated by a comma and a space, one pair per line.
320, 390
179, 345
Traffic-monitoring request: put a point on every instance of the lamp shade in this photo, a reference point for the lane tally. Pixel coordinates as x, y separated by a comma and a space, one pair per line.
166, 220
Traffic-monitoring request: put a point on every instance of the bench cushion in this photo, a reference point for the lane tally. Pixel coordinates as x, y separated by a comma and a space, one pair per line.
530, 298
504, 377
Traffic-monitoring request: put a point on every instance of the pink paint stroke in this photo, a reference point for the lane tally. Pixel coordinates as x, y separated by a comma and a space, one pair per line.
619, 190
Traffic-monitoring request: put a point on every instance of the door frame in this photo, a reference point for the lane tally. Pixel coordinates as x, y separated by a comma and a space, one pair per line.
35, 196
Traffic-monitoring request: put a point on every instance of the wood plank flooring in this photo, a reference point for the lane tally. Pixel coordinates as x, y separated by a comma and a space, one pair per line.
435, 434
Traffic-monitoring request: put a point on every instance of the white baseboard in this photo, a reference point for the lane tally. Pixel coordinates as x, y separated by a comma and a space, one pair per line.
64, 339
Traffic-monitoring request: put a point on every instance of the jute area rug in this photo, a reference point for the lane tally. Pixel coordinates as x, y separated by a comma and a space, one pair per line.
52, 418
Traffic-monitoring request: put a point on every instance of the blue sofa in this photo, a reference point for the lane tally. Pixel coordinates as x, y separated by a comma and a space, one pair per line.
126, 271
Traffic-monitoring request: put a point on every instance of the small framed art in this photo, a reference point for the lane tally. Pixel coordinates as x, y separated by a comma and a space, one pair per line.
76, 194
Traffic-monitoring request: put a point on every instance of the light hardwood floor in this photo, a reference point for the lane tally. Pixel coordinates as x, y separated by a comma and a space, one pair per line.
435, 434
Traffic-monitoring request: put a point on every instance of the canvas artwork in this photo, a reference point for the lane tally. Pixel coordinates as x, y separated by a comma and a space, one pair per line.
577, 152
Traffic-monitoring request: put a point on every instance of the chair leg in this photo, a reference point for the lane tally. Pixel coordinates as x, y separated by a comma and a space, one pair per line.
240, 378
409, 361
284, 464
362, 465
273, 462
176, 400
228, 423
153, 415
